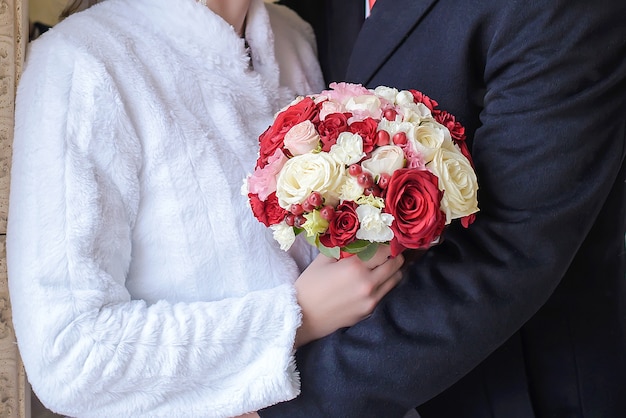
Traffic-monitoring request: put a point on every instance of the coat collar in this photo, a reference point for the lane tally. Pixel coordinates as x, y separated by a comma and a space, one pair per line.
382, 32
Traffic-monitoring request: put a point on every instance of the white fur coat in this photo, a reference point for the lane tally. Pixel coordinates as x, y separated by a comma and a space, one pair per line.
140, 282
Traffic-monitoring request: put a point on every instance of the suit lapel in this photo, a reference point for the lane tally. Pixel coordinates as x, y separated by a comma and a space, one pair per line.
382, 33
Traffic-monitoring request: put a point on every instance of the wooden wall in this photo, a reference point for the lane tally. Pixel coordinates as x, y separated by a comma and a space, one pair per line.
14, 394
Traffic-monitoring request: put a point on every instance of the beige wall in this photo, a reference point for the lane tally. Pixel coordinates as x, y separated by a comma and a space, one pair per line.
45, 11
14, 398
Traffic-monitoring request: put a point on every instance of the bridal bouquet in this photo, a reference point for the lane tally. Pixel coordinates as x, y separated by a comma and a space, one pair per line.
353, 167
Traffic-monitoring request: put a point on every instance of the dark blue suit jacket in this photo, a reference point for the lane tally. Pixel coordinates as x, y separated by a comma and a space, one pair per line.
524, 313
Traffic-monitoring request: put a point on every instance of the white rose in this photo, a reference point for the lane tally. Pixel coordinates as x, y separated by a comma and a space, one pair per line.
367, 104
385, 159
428, 139
414, 112
458, 181
284, 235
348, 149
404, 98
351, 189
302, 138
374, 224
387, 93
303, 174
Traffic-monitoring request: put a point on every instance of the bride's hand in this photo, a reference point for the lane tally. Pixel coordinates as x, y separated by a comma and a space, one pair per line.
338, 293
248, 415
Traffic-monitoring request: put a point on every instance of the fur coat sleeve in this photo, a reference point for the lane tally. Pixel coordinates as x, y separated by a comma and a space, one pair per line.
86, 171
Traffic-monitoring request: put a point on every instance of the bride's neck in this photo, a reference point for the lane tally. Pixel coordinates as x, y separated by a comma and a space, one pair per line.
232, 11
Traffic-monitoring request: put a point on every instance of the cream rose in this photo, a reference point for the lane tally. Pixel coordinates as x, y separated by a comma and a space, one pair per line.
348, 149
302, 138
414, 112
458, 181
303, 174
385, 159
428, 139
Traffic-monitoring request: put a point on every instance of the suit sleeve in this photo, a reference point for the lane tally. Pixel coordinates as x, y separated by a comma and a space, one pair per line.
548, 153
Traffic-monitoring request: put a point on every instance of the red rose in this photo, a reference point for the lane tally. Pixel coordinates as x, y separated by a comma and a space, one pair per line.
420, 97
342, 228
267, 212
413, 199
273, 137
457, 131
330, 128
367, 129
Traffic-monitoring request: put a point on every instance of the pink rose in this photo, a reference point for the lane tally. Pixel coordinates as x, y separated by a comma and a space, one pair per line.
263, 181
302, 138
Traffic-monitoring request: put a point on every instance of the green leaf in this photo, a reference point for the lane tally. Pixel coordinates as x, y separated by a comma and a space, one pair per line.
356, 246
368, 252
329, 252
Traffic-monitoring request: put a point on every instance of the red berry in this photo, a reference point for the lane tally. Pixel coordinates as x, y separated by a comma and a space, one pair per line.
382, 138
365, 180
289, 219
383, 180
299, 221
373, 190
399, 138
355, 170
296, 209
327, 212
390, 114
307, 206
315, 199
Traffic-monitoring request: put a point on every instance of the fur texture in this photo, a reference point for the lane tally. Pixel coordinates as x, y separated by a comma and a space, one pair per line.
140, 282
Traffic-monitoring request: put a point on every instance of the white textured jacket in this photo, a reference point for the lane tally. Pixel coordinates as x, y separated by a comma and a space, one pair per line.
140, 282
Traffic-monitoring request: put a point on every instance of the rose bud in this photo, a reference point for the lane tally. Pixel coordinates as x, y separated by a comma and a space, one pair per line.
382, 138
399, 138
390, 114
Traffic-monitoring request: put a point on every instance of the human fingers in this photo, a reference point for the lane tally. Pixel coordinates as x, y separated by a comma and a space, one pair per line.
381, 256
387, 284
